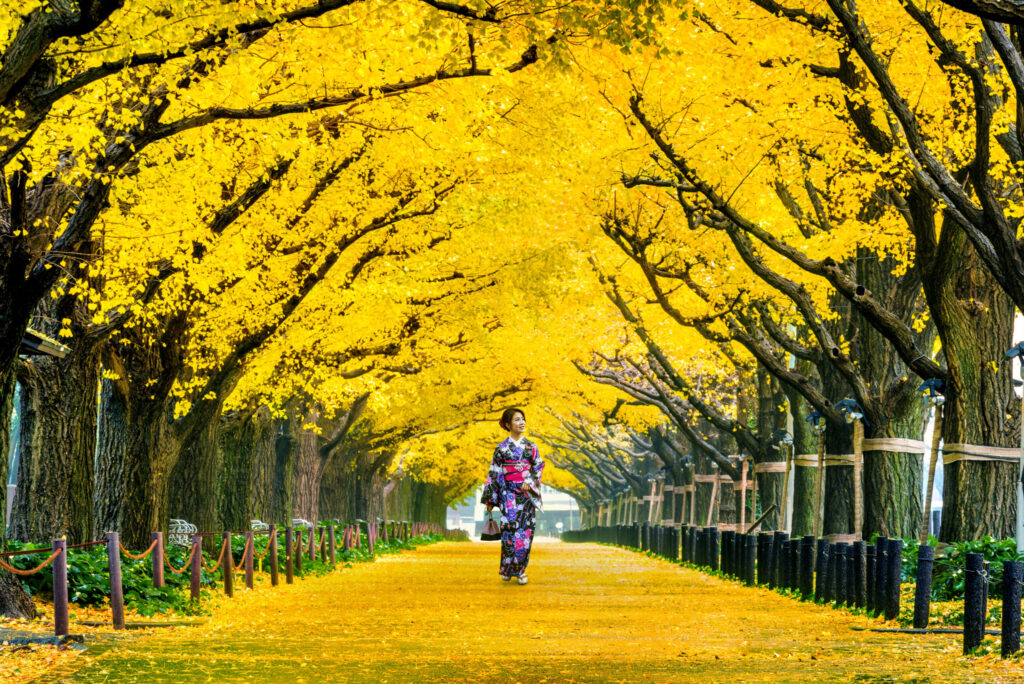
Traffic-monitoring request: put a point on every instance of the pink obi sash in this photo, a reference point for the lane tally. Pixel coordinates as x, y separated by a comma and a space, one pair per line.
514, 470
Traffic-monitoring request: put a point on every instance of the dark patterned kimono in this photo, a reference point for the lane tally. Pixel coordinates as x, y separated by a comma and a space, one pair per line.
513, 467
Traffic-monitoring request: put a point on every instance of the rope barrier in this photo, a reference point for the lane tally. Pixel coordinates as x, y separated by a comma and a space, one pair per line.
266, 550
25, 552
24, 573
143, 554
241, 563
212, 570
184, 567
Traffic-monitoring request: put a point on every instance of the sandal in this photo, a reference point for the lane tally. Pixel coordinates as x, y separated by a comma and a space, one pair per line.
506, 578
522, 579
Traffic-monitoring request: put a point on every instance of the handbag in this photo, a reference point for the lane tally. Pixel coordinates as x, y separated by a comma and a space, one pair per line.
490, 532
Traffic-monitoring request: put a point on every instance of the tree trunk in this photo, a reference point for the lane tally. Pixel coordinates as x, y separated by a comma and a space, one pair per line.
112, 433
974, 317
192, 491
57, 447
308, 472
14, 602
246, 474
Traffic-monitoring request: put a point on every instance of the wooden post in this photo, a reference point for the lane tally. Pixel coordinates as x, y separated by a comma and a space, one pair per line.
250, 542
783, 517
196, 569
312, 543
711, 506
858, 474
60, 587
298, 556
330, 543
272, 552
228, 566
743, 496
371, 528
818, 485
288, 555
158, 559
932, 461
323, 545
114, 573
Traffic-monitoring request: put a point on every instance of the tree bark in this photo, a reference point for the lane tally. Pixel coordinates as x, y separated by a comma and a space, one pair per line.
57, 445
14, 602
974, 317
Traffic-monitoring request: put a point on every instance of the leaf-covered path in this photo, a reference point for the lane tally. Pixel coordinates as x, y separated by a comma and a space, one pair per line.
590, 613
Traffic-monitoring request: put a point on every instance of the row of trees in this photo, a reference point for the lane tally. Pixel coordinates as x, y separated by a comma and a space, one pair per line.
261, 233
830, 211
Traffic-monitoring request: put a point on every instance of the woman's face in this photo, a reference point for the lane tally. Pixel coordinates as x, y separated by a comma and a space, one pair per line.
518, 423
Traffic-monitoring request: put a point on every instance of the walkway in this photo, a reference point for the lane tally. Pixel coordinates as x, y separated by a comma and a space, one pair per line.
589, 614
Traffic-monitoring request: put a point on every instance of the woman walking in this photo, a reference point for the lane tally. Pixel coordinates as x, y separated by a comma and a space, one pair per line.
513, 482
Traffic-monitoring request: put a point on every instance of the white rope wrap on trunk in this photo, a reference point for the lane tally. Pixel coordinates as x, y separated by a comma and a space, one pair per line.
667, 522
740, 485
811, 460
895, 445
727, 527
770, 467
699, 477
952, 453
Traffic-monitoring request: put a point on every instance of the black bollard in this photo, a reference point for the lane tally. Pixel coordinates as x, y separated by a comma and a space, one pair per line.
830, 574
820, 563
645, 537
777, 566
727, 547
881, 573
857, 573
923, 586
869, 578
713, 536
842, 579
894, 575
1012, 571
750, 559
975, 601
794, 564
807, 566
784, 565
764, 550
